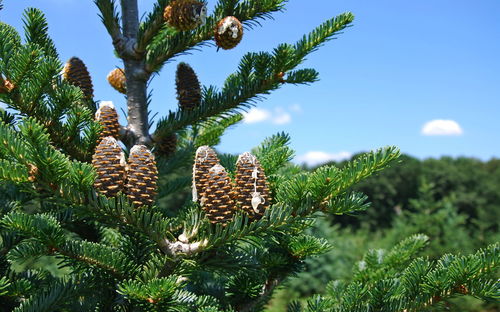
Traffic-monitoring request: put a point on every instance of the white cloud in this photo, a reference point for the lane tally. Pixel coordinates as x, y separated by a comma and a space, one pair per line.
314, 158
442, 127
278, 117
256, 115
296, 108
281, 117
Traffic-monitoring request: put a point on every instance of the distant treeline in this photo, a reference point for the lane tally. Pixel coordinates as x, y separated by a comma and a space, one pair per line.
471, 185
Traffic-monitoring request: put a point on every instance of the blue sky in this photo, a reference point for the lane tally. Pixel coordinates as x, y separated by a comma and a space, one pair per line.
423, 75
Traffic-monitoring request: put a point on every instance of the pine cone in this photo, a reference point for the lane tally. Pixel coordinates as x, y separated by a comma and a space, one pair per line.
76, 73
117, 80
228, 32
109, 162
166, 146
218, 206
6, 86
205, 159
108, 118
185, 14
188, 87
251, 188
142, 176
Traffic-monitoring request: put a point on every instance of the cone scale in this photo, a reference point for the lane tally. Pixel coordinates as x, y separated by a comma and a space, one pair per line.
185, 15
142, 176
188, 87
117, 80
76, 73
218, 204
109, 163
204, 160
107, 116
251, 191
228, 32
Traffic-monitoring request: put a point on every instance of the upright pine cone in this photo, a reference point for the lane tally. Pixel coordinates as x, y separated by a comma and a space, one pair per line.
117, 80
185, 14
76, 73
142, 176
188, 87
251, 188
228, 32
109, 162
166, 146
6, 86
218, 206
205, 159
108, 118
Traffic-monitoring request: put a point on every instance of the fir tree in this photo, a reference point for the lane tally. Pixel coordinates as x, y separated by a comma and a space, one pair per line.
119, 225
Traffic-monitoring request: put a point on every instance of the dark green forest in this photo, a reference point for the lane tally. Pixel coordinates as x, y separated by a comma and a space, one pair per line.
455, 202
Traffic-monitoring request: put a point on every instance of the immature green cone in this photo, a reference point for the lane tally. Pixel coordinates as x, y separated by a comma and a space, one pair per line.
251, 192
107, 116
142, 176
228, 32
109, 162
185, 14
218, 205
205, 159
117, 80
166, 146
188, 87
76, 73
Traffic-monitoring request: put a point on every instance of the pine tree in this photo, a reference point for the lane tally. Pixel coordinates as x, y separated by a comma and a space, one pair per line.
122, 231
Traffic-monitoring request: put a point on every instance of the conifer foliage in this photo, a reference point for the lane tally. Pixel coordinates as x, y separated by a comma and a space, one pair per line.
121, 233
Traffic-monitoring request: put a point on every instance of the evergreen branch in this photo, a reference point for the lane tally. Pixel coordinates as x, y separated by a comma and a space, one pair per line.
170, 44
328, 182
13, 171
118, 211
43, 227
380, 284
265, 294
111, 20
152, 25
210, 131
27, 250
274, 153
306, 245
52, 165
10, 43
98, 255
4, 285
21, 63
155, 291
346, 203
323, 33
51, 299
36, 31
258, 74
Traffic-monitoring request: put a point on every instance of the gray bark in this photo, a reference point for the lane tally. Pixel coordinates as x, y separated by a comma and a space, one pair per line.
137, 130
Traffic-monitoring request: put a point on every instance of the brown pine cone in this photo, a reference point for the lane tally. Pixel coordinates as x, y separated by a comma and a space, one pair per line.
6, 86
142, 176
107, 116
76, 73
109, 162
251, 192
188, 87
185, 14
117, 80
218, 206
205, 159
166, 146
228, 32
